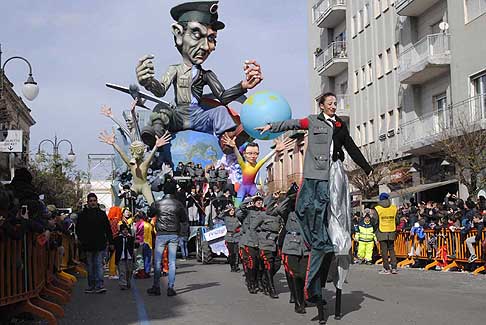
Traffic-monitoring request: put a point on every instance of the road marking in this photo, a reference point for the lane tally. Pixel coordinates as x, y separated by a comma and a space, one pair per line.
141, 311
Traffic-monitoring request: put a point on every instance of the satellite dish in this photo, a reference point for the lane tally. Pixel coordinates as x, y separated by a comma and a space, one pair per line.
443, 26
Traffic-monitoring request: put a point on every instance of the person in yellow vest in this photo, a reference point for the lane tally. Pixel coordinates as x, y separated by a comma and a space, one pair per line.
386, 232
366, 238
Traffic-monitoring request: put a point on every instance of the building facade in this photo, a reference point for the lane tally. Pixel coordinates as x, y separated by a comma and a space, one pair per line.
405, 72
14, 115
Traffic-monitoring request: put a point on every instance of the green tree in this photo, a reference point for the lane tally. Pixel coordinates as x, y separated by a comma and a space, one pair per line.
58, 179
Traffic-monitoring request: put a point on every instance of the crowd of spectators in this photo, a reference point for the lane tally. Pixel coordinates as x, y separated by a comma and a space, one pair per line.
454, 214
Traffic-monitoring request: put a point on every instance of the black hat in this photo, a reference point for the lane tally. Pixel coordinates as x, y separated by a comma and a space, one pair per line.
205, 12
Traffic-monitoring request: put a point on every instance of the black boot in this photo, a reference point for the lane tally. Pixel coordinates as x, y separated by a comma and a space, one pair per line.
299, 296
261, 285
337, 312
270, 285
253, 287
321, 313
291, 285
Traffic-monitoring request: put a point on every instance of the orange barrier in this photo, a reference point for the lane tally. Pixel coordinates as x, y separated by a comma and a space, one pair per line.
450, 250
30, 272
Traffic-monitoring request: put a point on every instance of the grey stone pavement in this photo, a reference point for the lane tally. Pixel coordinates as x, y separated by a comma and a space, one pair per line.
210, 294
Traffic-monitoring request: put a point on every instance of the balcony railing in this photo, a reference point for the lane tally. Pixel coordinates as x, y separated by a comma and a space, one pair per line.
334, 54
329, 13
413, 7
431, 51
423, 131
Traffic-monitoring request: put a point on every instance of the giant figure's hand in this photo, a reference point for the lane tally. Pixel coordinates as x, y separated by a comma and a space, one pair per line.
253, 74
106, 111
282, 145
263, 129
228, 141
164, 140
145, 69
107, 138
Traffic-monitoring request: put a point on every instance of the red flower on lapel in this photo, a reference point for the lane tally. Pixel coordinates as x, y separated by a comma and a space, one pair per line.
337, 124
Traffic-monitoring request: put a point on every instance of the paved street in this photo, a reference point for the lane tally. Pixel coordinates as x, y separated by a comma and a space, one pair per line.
210, 294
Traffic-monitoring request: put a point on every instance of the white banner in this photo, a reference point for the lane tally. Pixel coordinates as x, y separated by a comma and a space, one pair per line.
215, 233
12, 141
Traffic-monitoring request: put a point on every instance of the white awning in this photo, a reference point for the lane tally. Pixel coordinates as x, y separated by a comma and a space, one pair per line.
421, 188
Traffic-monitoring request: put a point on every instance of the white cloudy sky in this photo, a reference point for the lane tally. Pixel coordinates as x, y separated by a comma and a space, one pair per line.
75, 47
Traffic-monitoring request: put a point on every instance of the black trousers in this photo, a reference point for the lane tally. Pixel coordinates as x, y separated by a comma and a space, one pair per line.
271, 261
388, 250
233, 253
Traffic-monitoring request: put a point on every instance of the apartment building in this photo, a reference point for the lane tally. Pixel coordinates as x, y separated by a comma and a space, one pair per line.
14, 115
405, 71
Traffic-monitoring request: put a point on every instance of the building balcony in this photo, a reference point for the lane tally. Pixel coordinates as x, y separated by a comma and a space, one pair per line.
332, 61
420, 134
329, 13
425, 60
413, 8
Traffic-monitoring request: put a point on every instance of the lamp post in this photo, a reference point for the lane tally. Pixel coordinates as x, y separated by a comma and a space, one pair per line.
55, 144
30, 88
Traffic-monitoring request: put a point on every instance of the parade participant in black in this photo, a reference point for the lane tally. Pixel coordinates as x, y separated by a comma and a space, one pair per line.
241, 214
199, 175
268, 229
233, 227
295, 254
254, 212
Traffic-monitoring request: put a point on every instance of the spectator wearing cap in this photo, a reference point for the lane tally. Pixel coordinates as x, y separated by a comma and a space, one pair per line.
94, 232
386, 232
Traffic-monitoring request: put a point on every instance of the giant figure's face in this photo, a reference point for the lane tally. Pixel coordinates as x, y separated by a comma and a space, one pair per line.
198, 41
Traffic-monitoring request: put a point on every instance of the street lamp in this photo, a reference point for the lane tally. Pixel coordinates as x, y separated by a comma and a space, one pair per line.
55, 144
30, 88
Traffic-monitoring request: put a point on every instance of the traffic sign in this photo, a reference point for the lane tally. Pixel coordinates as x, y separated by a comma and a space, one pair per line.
11, 141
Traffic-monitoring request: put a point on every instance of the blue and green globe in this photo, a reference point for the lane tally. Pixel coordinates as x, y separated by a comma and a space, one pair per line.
261, 108
200, 148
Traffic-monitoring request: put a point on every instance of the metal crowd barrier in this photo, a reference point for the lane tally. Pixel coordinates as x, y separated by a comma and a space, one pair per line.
448, 252
32, 277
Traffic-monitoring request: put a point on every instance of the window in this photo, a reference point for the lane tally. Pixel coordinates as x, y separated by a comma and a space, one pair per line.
440, 105
382, 126
355, 81
371, 132
366, 14
362, 78
363, 134
354, 29
479, 94
396, 55
357, 136
379, 64
474, 9
360, 21
399, 118
369, 74
377, 8
388, 61
390, 122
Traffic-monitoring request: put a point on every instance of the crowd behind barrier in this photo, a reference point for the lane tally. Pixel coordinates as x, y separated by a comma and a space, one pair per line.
37, 246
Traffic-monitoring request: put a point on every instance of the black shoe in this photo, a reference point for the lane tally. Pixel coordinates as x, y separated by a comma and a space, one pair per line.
299, 309
165, 274
89, 290
153, 291
101, 290
171, 292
